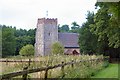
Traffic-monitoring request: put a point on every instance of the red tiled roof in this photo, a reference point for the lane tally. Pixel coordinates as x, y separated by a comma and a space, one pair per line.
68, 39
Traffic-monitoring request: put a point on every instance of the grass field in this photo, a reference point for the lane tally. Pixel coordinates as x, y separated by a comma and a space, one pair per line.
110, 72
81, 70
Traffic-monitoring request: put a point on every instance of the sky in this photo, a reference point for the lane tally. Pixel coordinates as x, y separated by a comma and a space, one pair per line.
24, 13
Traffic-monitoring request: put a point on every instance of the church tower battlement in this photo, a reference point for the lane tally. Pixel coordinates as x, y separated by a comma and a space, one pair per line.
46, 35
47, 20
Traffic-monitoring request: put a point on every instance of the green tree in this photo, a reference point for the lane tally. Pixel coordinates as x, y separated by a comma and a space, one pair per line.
22, 41
8, 41
20, 32
24, 37
87, 40
107, 27
27, 50
107, 24
0, 40
64, 28
57, 48
75, 27
31, 34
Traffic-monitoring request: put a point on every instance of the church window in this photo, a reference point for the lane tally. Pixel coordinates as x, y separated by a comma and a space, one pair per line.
49, 34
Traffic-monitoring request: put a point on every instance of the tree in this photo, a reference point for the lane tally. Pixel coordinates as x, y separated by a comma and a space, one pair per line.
13, 39
8, 41
87, 40
57, 48
107, 24
64, 28
22, 41
27, 50
20, 32
107, 27
0, 40
75, 27
24, 37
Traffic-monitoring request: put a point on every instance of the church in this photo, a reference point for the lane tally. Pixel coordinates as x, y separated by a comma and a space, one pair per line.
47, 34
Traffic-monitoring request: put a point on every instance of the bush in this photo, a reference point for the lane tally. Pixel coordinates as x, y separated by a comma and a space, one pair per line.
27, 50
57, 48
106, 64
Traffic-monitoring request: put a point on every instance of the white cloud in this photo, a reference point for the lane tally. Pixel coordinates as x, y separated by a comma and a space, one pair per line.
24, 13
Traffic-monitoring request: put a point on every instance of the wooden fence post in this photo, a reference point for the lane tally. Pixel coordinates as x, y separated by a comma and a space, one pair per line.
91, 62
62, 69
29, 62
25, 75
46, 73
6, 61
72, 63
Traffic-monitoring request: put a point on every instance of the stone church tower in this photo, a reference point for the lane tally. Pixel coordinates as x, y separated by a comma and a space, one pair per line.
46, 35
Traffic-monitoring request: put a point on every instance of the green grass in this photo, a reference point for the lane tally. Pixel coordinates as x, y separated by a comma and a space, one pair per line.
82, 70
110, 72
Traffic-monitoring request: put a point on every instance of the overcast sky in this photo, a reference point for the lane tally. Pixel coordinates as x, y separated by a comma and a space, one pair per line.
24, 13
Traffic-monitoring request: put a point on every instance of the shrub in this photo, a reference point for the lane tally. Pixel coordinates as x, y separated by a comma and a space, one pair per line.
106, 64
27, 50
57, 48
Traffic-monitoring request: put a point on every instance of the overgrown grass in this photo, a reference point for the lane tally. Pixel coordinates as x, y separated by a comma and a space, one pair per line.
82, 70
110, 72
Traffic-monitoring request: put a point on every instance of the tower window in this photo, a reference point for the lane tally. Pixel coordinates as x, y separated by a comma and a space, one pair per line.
49, 33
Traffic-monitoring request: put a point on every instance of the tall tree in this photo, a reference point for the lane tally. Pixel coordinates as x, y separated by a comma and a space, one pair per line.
88, 41
0, 40
107, 24
24, 37
107, 27
8, 41
75, 27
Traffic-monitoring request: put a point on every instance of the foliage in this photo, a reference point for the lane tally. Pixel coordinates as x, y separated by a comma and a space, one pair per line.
0, 40
106, 64
22, 41
24, 37
8, 41
87, 40
75, 27
64, 28
13, 39
57, 48
107, 24
79, 70
27, 50
83, 70
101, 32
